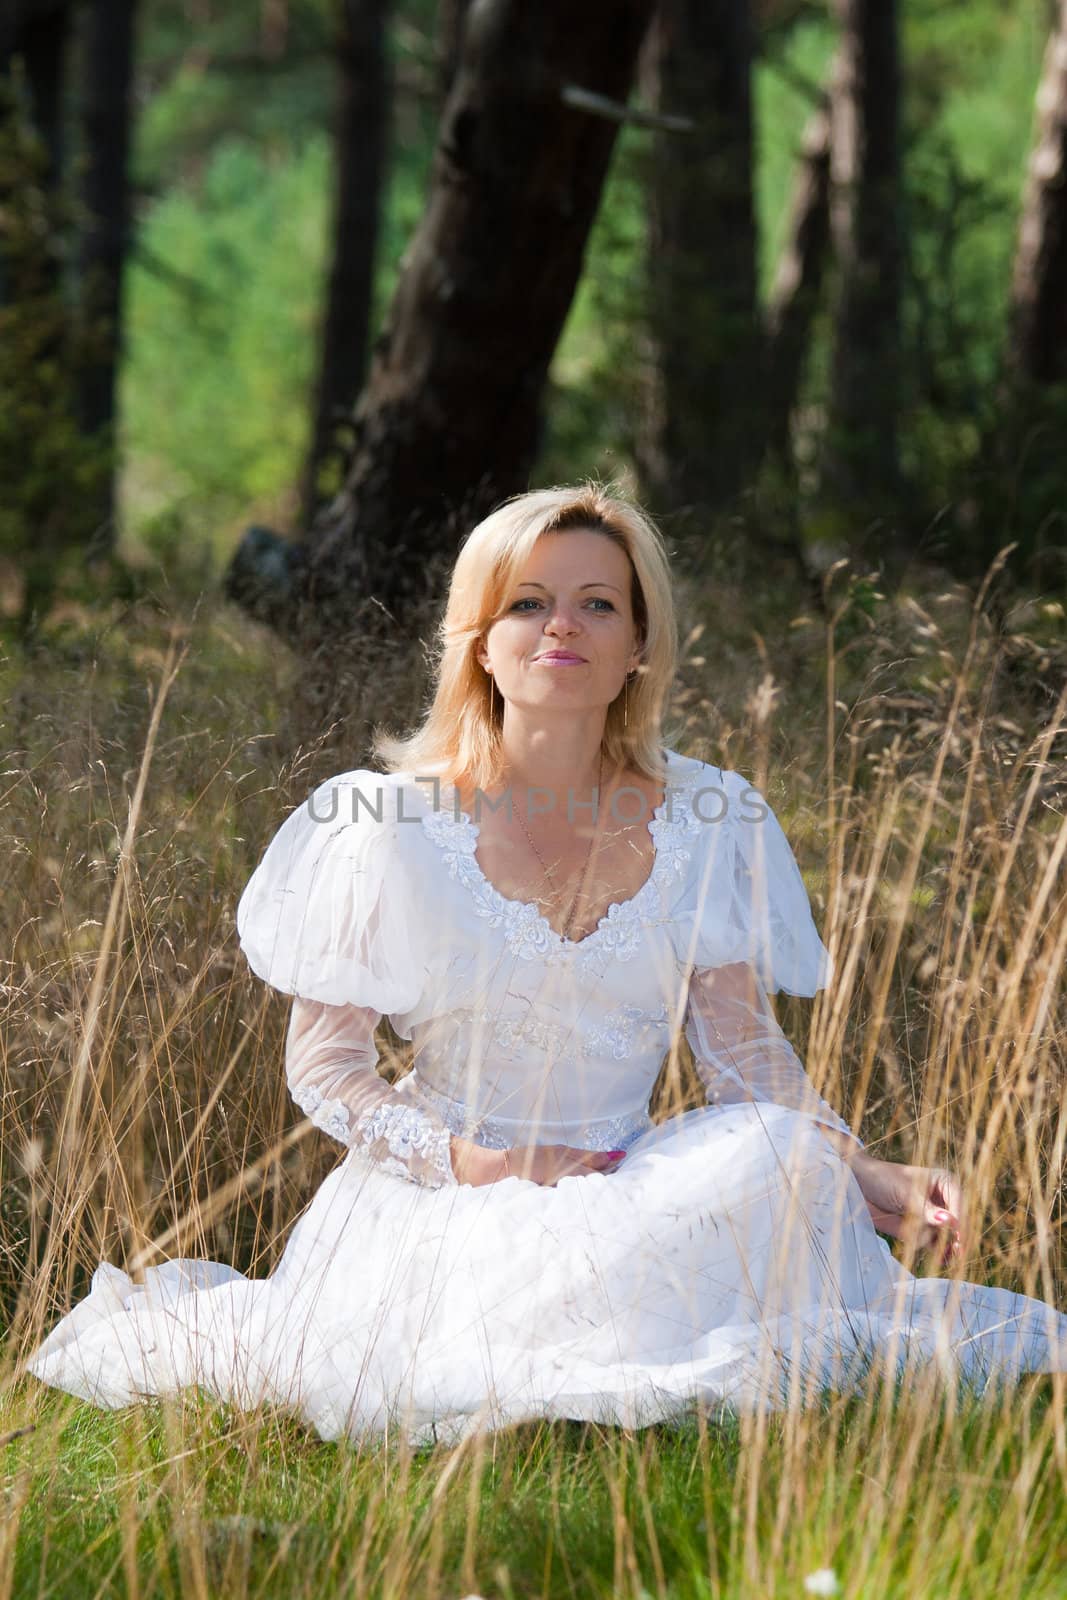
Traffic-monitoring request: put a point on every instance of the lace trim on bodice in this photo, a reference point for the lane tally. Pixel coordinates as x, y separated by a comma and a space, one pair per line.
617, 1036
605, 1133
526, 929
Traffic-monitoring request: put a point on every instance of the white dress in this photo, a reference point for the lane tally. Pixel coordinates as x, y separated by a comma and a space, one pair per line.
729, 1259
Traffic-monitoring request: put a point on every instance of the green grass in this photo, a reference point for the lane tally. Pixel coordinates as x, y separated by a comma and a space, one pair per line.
190, 1497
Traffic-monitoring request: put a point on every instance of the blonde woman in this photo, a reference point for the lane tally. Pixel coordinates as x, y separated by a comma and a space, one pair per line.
539, 892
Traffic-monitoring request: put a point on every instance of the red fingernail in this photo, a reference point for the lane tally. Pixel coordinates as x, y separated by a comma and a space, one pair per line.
616, 1152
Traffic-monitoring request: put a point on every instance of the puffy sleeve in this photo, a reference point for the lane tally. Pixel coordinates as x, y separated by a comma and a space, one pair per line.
744, 898
330, 916
751, 934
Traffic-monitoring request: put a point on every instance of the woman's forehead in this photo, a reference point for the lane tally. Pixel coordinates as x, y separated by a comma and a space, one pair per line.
577, 554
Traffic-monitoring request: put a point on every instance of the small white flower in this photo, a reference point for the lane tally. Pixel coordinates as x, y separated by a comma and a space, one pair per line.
822, 1581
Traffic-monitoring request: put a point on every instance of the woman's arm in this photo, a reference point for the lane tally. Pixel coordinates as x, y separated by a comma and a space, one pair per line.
742, 1054
330, 1061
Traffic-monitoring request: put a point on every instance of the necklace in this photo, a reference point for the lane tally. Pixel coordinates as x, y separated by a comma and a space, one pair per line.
585, 865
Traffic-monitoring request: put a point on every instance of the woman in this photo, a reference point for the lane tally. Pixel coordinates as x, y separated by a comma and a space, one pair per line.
537, 893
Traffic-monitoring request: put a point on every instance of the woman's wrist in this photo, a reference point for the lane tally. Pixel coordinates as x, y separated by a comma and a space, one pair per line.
847, 1148
477, 1164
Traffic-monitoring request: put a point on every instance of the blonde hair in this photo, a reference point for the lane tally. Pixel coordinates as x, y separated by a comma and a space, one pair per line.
460, 737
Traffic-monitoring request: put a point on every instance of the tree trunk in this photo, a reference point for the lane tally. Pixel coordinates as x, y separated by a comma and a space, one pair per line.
38, 36
703, 426
451, 17
448, 423
1019, 475
860, 459
35, 361
359, 147
109, 45
798, 282
1037, 351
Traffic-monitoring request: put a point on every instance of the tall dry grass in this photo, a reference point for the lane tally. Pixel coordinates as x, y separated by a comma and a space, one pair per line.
914, 752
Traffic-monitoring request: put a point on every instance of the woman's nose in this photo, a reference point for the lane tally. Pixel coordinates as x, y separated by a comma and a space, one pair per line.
562, 620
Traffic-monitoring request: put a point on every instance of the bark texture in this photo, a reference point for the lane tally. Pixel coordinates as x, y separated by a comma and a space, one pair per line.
798, 281
359, 159
860, 461
448, 423
1038, 348
107, 115
34, 48
704, 429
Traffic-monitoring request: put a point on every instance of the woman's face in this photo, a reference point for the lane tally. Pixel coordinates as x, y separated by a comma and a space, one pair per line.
573, 596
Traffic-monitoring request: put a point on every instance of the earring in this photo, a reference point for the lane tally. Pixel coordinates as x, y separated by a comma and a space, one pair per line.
626, 698
492, 693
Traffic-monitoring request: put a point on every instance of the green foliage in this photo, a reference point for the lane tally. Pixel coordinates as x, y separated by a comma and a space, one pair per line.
223, 296
226, 283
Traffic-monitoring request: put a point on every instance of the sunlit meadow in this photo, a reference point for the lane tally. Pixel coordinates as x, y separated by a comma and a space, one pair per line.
913, 755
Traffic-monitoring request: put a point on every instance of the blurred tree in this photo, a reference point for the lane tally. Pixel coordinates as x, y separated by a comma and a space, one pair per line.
1037, 349
703, 427
449, 420
359, 159
797, 289
34, 46
52, 472
1024, 449
859, 470
451, 17
107, 104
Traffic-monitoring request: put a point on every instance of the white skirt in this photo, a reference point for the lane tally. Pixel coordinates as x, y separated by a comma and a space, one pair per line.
729, 1260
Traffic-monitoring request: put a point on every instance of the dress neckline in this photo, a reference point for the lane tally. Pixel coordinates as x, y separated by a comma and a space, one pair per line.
458, 830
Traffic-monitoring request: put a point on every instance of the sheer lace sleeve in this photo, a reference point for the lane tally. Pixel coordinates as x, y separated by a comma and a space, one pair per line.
330, 1061
741, 1052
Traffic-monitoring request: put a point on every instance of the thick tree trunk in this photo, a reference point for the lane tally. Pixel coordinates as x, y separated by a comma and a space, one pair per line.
798, 281
449, 420
36, 35
860, 460
703, 427
359, 156
35, 361
451, 17
1019, 472
109, 45
1037, 352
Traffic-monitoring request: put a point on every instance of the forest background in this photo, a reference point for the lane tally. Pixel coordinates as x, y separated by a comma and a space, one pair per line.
881, 375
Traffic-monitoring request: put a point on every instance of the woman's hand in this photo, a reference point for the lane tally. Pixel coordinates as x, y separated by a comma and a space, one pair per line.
924, 1204
542, 1163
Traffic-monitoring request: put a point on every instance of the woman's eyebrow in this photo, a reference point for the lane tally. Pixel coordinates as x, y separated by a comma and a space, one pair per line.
531, 583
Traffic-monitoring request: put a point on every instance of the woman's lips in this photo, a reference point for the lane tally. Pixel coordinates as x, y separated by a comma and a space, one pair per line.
560, 661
